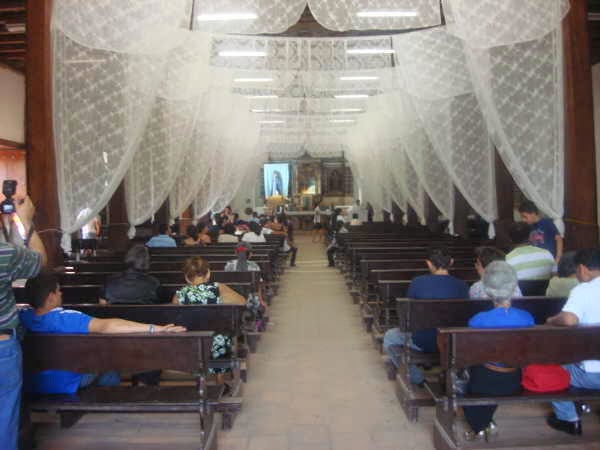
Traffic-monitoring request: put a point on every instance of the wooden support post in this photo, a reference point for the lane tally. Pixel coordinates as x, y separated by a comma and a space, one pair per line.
118, 224
432, 215
461, 212
581, 215
411, 217
398, 214
41, 160
505, 185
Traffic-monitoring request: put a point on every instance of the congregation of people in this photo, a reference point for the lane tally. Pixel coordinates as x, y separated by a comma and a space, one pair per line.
536, 255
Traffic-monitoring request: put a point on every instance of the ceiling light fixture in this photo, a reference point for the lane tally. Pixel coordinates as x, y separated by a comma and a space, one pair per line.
246, 53
346, 110
344, 96
342, 120
370, 51
385, 14
255, 110
222, 17
256, 97
252, 80
359, 78
271, 121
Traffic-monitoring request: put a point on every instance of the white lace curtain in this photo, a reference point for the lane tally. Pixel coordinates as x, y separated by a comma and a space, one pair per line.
157, 93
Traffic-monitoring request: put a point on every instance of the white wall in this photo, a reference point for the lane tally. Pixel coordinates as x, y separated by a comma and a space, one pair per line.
12, 105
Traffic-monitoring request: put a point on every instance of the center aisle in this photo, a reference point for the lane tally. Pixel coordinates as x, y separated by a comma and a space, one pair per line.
317, 381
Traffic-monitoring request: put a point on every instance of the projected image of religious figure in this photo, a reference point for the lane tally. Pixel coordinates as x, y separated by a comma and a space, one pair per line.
277, 179
276, 184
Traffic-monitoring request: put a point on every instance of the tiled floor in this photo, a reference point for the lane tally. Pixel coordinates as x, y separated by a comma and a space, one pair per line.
315, 383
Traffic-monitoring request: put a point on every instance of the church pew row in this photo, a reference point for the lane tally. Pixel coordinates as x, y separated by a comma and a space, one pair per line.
230, 320
378, 307
414, 315
91, 293
185, 352
461, 348
175, 277
351, 260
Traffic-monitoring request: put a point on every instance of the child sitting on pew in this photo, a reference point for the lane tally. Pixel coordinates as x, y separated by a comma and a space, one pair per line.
48, 316
484, 256
438, 285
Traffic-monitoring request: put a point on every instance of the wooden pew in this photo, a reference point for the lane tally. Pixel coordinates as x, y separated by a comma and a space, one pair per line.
461, 348
414, 315
174, 277
94, 353
90, 293
380, 313
225, 319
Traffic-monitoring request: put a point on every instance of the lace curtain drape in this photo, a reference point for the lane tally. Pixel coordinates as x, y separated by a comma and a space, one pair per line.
159, 94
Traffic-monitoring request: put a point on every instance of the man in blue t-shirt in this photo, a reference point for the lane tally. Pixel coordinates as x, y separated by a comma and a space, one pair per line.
544, 233
48, 316
438, 285
162, 239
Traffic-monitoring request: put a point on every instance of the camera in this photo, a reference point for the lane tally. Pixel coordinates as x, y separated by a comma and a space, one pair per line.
9, 188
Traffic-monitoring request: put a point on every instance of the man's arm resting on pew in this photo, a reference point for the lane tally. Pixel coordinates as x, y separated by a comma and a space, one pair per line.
114, 326
564, 319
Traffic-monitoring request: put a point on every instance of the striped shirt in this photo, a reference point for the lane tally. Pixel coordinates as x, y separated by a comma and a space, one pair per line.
15, 263
531, 263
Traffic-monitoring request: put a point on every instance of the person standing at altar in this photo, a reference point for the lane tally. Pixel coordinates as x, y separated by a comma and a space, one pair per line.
317, 225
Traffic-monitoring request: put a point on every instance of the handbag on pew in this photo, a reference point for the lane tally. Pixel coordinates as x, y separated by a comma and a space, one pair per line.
545, 378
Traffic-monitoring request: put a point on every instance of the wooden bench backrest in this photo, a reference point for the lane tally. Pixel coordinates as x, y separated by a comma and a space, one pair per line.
463, 273
378, 264
465, 347
416, 315
91, 292
93, 353
226, 319
175, 277
158, 266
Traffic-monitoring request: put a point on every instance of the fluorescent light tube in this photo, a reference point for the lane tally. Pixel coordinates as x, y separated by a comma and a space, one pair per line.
347, 110
262, 96
252, 80
359, 78
369, 51
342, 120
271, 121
248, 53
341, 96
222, 17
385, 14
255, 110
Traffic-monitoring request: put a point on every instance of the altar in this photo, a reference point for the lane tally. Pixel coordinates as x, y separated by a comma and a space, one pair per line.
299, 185
304, 220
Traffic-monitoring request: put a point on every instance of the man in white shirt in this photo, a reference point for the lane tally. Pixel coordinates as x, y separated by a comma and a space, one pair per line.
582, 308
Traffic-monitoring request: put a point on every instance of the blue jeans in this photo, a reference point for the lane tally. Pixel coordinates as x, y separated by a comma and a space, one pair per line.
579, 379
11, 379
394, 337
110, 378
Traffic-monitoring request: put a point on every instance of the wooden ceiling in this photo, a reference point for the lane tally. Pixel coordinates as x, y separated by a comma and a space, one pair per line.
13, 31
594, 28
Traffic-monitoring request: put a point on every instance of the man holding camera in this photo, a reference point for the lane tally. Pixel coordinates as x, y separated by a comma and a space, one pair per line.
16, 262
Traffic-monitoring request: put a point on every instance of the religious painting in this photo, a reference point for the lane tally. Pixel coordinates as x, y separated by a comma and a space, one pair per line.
309, 178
